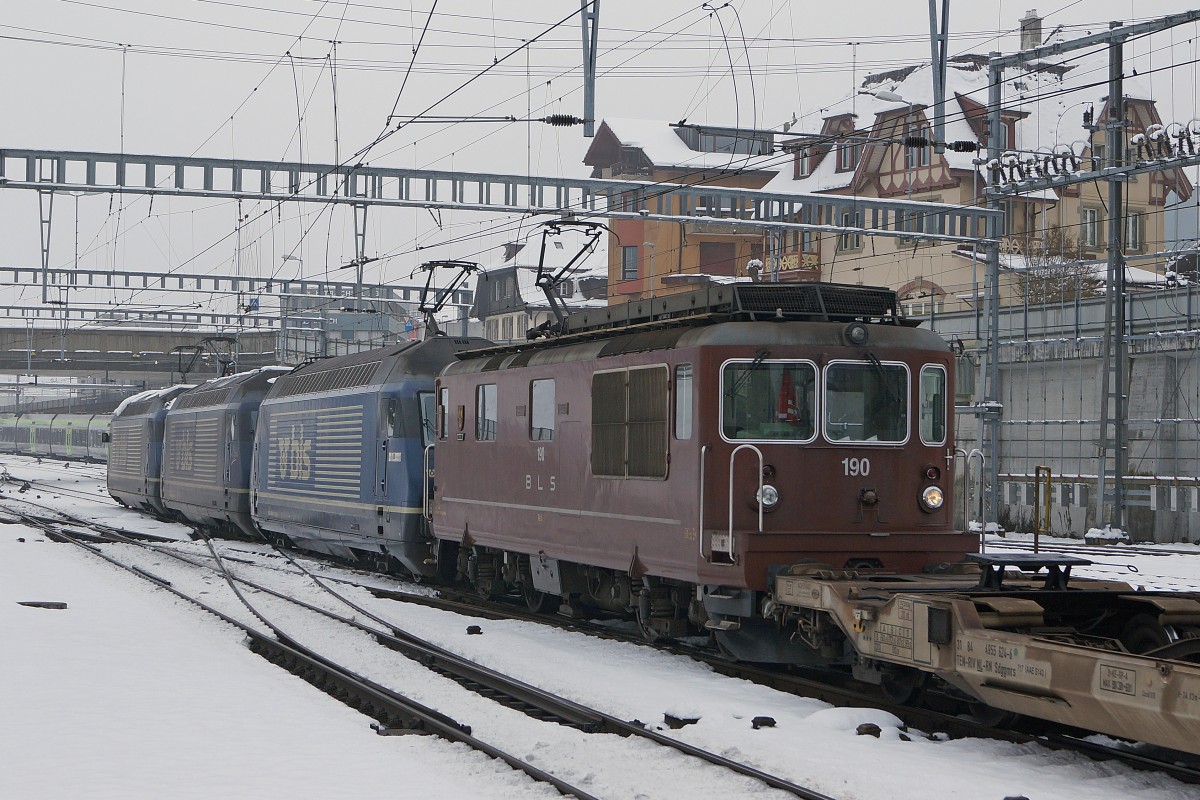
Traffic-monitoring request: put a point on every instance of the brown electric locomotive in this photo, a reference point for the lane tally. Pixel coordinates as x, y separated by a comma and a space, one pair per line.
665, 458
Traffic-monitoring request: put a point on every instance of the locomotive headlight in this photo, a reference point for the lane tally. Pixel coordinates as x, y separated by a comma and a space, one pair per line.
932, 498
768, 497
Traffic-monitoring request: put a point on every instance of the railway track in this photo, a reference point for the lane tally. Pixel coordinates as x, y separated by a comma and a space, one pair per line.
393, 711
1105, 551
524, 698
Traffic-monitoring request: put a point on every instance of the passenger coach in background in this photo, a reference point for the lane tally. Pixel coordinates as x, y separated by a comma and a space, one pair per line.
75, 437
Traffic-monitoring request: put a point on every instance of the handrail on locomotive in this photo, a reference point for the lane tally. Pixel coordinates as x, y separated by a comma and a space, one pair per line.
758, 496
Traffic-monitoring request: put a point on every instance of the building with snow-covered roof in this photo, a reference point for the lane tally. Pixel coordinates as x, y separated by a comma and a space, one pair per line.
868, 146
509, 302
646, 256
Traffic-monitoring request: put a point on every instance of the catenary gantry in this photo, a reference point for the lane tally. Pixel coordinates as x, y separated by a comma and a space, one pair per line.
362, 185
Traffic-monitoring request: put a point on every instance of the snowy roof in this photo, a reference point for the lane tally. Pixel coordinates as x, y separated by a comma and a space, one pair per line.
1049, 99
593, 265
662, 145
1015, 262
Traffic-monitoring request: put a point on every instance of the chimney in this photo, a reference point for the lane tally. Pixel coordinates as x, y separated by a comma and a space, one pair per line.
1031, 30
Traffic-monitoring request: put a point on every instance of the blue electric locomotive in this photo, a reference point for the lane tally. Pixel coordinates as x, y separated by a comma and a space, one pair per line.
135, 452
207, 447
342, 453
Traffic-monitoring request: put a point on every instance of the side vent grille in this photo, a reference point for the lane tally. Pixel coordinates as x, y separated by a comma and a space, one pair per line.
327, 380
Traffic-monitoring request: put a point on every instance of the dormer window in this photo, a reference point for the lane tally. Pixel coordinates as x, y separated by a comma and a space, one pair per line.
803, 163
919, 156
848, 155
726, 140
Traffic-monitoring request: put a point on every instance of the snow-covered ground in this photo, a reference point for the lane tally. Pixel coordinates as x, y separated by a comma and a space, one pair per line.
131, 693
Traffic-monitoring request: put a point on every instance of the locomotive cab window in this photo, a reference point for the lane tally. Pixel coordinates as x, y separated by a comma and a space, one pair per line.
542, 410
769, 400
866, 401
933, 404
487, 414
428, 406
391, 408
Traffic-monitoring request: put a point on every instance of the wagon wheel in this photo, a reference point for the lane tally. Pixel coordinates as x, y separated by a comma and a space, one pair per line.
536, 600
903, 685
991, 717
1144, 633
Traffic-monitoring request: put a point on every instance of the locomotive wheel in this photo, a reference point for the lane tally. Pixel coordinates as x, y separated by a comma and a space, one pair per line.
483, 574
904, 685
536, 600
1143, 633
647, 631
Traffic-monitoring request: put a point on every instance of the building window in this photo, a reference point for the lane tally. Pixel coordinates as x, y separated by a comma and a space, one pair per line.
803, 163
507, 327
542, 410
1098, 156
718, 258
848, 153
850, 240
1133, 231
919, 156
487, 413
1089, 227
629, 262
683, 401
630, 414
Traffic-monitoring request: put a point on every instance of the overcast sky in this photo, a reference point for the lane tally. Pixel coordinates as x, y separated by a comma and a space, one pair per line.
222, 79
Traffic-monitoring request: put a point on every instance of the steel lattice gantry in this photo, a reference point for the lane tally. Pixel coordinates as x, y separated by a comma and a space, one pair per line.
361, 185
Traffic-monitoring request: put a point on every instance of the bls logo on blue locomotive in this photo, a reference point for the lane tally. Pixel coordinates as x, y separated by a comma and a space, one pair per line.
293, 456
317, 451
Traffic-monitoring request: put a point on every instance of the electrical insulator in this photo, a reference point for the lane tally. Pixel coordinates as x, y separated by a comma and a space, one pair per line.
962, 146
1088, 115
562, 120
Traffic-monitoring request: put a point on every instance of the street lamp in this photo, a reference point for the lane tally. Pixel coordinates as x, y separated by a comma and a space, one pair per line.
650, 245
892, 97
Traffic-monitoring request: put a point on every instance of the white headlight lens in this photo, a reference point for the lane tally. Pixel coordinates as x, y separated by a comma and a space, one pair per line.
769, 496
933, 498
